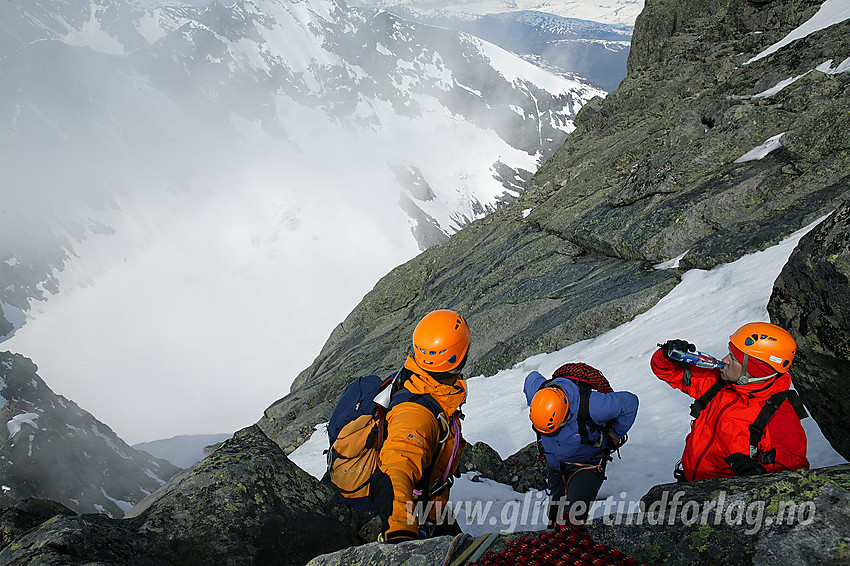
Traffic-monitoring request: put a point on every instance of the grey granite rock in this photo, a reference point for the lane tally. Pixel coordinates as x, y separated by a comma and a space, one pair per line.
811, 299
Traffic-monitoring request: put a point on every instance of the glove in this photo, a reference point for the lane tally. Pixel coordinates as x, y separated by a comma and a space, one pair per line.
681, 345
743, 465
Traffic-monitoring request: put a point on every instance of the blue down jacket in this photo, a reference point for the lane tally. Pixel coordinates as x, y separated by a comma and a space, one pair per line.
566, 445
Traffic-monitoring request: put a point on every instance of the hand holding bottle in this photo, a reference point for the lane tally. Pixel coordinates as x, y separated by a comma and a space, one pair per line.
685, 353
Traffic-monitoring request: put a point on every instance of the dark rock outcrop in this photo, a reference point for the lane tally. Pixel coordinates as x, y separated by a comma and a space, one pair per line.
481, 458
247, 503
26, 515
811, 299
526, 470
426, 552
55, 450
651, 172
787, 518
244, 504
5, 326
522, 470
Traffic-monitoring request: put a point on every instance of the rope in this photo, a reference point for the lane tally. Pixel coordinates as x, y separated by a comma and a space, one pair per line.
579, 468
562, 545
583, 372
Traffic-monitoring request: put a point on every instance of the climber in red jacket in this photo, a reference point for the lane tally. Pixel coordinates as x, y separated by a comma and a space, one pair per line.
746, 419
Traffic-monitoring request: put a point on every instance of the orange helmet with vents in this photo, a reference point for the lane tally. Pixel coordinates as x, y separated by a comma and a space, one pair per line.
766, 342
550, 410
440, 341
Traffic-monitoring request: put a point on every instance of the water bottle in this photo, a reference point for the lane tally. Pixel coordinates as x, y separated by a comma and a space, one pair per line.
698, 359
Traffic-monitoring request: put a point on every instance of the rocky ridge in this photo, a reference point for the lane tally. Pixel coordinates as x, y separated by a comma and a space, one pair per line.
789, 518
244, 504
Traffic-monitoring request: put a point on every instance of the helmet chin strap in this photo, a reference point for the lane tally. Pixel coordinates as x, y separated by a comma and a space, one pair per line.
745, 379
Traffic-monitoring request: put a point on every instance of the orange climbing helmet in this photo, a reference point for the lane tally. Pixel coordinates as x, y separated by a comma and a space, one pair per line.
441, 341
550, 410
767, 343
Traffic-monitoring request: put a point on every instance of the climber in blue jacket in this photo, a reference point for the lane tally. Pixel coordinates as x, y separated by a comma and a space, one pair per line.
579, 421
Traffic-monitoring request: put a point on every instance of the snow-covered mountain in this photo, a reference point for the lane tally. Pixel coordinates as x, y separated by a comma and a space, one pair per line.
583, 37
595, 51
617, 12
53, 449
542, 33
209, 174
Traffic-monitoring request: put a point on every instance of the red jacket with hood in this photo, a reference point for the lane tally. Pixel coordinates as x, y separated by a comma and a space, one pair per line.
722, 428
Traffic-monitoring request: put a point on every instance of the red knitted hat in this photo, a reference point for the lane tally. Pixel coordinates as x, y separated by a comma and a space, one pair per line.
755, 367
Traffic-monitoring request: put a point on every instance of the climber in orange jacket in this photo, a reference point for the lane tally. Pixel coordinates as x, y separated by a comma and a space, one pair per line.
420, 455
746, 418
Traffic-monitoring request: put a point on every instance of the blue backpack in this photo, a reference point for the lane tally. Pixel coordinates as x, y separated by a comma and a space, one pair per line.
357, 430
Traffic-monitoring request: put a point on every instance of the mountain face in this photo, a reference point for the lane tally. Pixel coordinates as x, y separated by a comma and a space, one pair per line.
54, 450
527, 287
706, 151
588, 39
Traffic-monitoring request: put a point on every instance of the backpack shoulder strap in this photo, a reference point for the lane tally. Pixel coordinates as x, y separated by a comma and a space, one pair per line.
796, 404
767, 411
584, 420
704, 399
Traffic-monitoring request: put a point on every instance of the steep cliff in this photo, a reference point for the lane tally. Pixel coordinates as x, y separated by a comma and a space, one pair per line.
811, 298
708, 147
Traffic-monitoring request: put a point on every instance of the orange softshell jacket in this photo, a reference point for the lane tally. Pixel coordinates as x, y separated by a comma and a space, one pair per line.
413, 440
722, 428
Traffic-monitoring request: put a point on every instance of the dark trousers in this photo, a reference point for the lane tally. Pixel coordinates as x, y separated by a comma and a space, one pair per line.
572, 489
